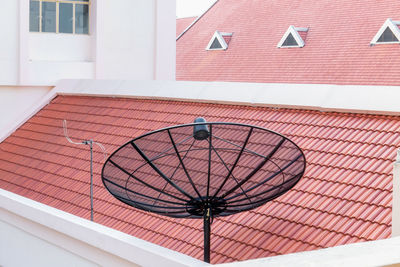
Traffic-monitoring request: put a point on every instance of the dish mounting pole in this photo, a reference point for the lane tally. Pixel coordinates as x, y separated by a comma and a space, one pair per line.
207, 230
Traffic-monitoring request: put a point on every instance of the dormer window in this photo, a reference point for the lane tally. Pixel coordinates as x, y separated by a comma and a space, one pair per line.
219, 41
293, 37
290, 41
387, 36
389, 33
216, 44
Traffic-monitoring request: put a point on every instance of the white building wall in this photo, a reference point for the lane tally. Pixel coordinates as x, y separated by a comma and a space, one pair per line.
26, 253
60, 47
125, 39
129, 39
165, 46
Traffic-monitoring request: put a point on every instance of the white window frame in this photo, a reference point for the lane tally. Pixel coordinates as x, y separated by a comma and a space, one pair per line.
393, 26
74, 3
221, 40
295, 33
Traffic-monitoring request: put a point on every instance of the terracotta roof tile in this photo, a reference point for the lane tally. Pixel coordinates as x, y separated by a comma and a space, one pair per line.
344, 197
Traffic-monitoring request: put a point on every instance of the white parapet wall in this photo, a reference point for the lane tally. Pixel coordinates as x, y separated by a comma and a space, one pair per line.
16, 100
366, 254
33, 234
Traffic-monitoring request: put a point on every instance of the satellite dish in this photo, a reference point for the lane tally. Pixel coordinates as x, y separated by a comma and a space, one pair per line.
203, 170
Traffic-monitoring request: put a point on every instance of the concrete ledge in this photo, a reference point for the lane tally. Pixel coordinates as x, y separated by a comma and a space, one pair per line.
323, 97
375, 253
76, 238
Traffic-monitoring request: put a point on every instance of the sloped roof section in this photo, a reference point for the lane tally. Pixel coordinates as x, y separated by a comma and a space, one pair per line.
338, 39
345, 196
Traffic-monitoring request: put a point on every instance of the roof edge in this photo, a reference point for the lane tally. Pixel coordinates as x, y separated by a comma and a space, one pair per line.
377, 100
195, 21
322, 97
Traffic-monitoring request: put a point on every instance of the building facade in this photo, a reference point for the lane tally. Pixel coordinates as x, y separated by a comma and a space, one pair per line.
44, 41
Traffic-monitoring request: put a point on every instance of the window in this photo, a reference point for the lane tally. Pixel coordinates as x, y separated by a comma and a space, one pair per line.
59, 16
292, 37
389, 33
219, 41
216, 44
387, 36
290, 41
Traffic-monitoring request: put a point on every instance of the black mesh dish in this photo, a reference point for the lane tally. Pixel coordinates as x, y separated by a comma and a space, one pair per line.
223, 167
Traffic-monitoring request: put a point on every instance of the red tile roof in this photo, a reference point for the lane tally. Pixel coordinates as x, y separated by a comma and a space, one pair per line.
345, 196
182, 24
337, 46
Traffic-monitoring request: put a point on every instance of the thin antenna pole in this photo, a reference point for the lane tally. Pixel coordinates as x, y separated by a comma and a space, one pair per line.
90, 143
91, 179
207, 229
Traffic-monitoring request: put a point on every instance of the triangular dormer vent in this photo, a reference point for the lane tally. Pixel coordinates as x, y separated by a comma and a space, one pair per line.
387, 36
216, 44
218, 41
292, 37
389, 33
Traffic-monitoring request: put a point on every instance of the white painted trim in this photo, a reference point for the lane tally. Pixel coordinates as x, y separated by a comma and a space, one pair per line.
97, 243
300, 29
294, 31
392, 26
383, 43
221, 40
